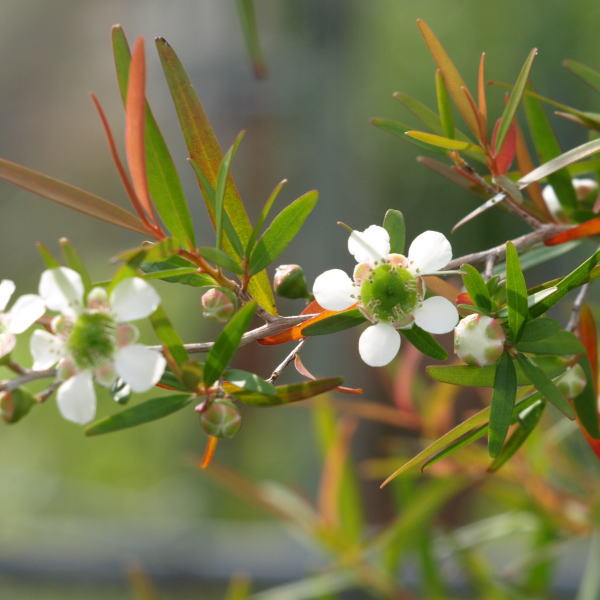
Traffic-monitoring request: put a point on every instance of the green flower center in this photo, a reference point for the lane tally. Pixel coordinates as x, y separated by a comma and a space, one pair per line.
391, 293
93, 340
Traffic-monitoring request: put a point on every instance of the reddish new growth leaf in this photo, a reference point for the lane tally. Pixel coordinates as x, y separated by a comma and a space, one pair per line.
306, 373
505, 156
209, 451
591, 227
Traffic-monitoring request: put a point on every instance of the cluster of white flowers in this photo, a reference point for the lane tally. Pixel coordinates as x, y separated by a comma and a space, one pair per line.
389, 290
89, 339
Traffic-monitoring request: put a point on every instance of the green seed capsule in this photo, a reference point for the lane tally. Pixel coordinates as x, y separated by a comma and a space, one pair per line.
222, 419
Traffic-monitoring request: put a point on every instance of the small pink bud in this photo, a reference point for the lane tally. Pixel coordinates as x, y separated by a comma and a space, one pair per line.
222, 419
572, 382
289, 282
217, 305
479, 340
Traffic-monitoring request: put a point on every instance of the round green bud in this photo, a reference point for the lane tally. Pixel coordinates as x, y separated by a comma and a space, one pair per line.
222, 419
92, 341
572, 382
479, 340
289, 282
217, 305
391, 293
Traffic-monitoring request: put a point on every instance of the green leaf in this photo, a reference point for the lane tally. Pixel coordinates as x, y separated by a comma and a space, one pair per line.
281, 231
69, 196
163, 180
393, 223
463, 441
263, 216
443, 142
222, 177
421, 112
545, 386
15, 405
206, 153
516, 291
471, 376
335, 323
585, 404
290, 393
589, 75
170, 380
424, 342
503, 402
561, 343
547, 148
220, 258
475, 285
47, 256
151, 410
177, 270
526, 424
399, 129
73, 260
539, 329
227, 343
513, 101
249, 382
248, 22
576, 278
539, 255
168, 336
444, 105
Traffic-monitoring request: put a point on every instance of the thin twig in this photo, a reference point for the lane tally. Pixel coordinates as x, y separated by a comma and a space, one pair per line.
490, 261
286, 361
521, 243
45, 394
576, 308
13, 384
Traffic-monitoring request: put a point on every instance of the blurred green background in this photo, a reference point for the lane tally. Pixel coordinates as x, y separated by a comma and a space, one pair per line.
76, 510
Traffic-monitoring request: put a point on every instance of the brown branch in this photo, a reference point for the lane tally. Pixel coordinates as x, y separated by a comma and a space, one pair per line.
13, 384
286, 361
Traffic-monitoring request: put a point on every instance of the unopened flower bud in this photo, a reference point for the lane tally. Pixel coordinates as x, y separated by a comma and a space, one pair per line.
464, 298
217, 305
15, 405
221, 419
572, 382
479, 340
289, 282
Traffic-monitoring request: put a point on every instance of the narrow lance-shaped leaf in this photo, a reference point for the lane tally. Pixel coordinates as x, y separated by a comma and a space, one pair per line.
587, 74
206, 153
516, 291
281, 231
443, 142
452, 77
481, 87
424, 342
151, 410
222, 177
393, 223
421, 112
476, 287
503, 401
227, 343
221, 259
399, 129
545, 386
73, 260
47, 256
561, 343
163, 180
515, 98
290, 393
444, 105
586, 407
547, 148
248, 22
250, 382
69, 196
334, 323
168, 337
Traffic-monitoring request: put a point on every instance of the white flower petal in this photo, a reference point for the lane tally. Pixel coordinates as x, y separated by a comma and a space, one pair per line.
369, 245
25, 312
7, 288
436, 315
333, 290
429, 252
379, 344
62, 290
133, 299
140, 366
46, 349
76, 398
7, 342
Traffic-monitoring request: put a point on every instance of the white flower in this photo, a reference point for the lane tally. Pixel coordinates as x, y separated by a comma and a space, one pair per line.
389, 290
583, 187
92, 339
24, 313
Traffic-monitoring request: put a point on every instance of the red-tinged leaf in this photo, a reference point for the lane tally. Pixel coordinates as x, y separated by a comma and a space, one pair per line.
482, 137
525, 165
591, 227
453, 79
589, 338
69, 196
481, 97
135, 119
209, 451
506, 155
295, 333
206, 153
299, 365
